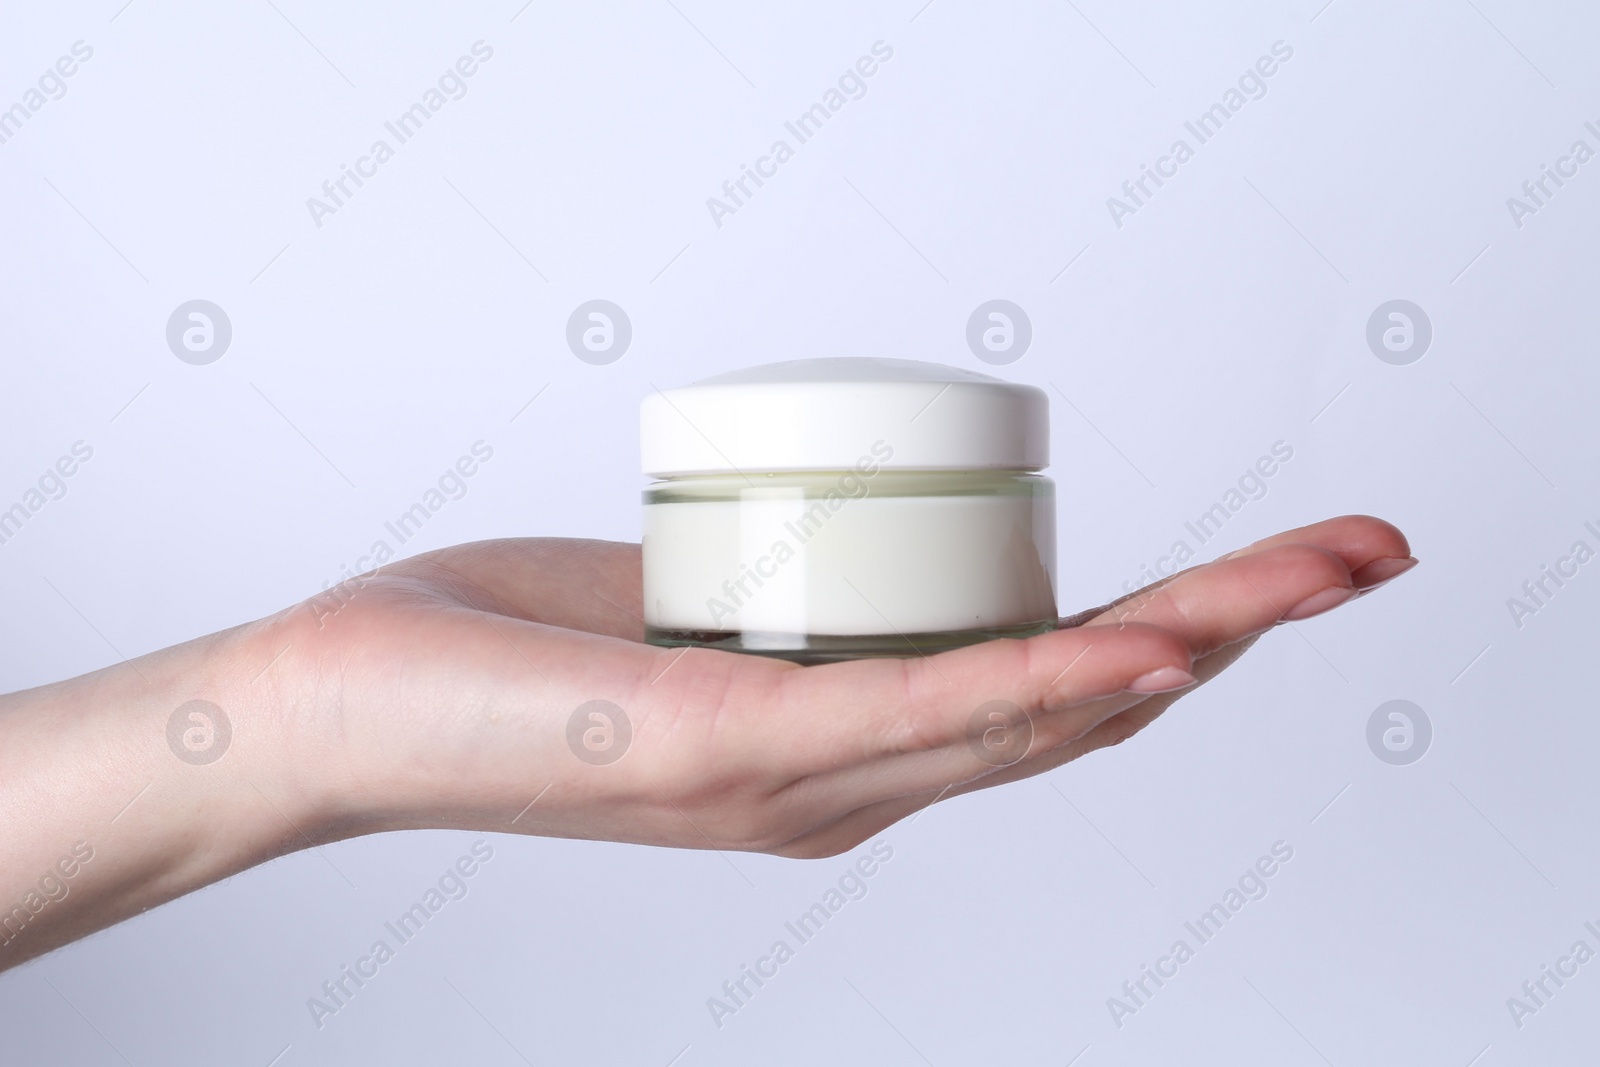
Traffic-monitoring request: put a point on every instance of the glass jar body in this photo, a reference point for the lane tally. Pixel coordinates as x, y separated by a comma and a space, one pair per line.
825, 565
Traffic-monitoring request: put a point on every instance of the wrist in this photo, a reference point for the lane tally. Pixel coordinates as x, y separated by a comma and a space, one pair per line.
155, 777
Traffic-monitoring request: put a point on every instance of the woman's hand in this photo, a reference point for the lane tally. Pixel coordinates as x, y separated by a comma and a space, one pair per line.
442, 693
503, 686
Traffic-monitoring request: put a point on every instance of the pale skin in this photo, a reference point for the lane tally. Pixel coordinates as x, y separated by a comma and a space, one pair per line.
439, 695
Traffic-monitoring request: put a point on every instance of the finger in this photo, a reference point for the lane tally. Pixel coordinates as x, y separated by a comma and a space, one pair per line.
998, 735
1134, 715
1232, 599
1373, 550
1361, 541
851, 829
864, 711
594, 586
1220, 608
1188, 603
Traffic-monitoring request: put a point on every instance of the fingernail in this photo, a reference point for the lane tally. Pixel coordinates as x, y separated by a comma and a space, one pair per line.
1161, 680
1379, 571
1317, 603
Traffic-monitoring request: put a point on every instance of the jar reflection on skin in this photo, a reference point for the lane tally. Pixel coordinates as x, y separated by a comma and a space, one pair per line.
834, 508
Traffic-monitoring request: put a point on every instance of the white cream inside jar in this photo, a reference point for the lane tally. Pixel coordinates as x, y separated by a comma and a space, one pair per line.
834, 508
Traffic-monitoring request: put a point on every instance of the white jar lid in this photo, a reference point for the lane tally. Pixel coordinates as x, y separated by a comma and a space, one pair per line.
831, 414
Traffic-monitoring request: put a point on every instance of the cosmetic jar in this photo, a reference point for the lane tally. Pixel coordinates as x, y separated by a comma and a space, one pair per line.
828, 509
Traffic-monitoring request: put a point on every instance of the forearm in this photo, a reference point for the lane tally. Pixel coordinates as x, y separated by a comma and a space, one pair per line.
106, 812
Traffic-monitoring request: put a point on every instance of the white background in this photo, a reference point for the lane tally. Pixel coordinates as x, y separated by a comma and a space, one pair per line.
1229, 313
